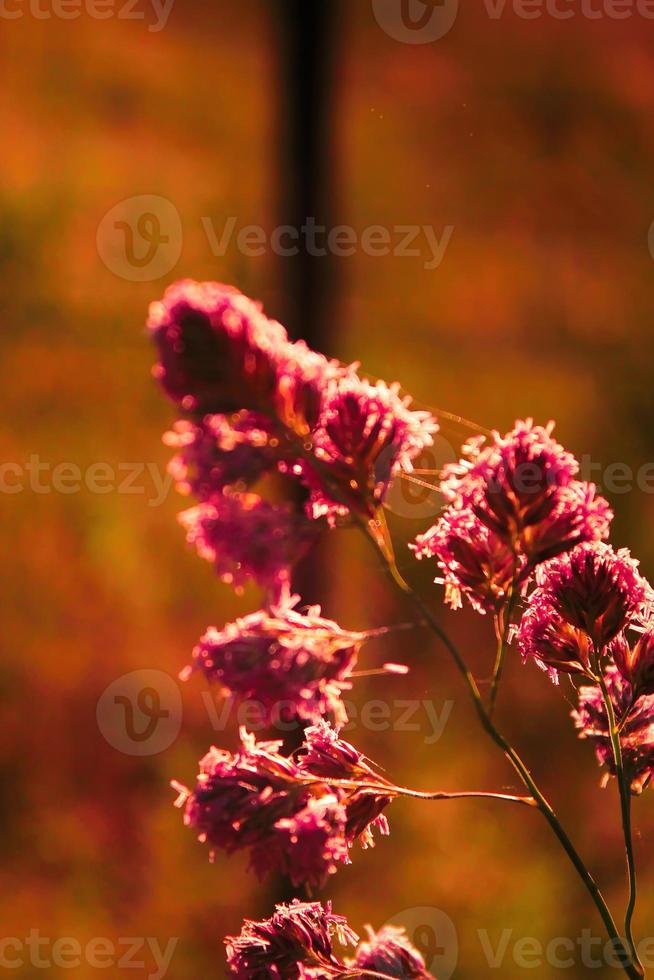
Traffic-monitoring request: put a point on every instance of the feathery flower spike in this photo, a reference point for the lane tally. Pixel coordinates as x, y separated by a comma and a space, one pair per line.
636, 719
291, 664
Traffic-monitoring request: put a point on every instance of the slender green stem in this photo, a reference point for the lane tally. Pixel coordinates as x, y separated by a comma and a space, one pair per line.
471, 795
633, 971
503, 622
451, 417
357, 974
389, 789
625, 806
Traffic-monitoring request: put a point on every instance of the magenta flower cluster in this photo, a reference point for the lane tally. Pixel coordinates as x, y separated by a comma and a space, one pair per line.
256, 403
277, 443
297, 943
583, 601
289, 664
258, 410
636, 714
512, 504
299, 816
585, 617
520, 530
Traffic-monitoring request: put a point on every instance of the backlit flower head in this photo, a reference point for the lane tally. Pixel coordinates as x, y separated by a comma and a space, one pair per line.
523, 487
219, 451
365, 435
309, 844
297, 936
634, 658
291, 664
246, 537
474, 561
302, 381
218, 352
554, 644
290, 818
297, 943
636, 736
594, 589
390, 954
326, 754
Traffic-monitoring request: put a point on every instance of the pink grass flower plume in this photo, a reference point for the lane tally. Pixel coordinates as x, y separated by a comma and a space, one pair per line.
277, 444
254, 404
635, 660
584, 599
366, 434
287, 663
513, 503
297, 943
246, 537
297, 937
389, 953
634, 714
291, 814
220, 451
218, 352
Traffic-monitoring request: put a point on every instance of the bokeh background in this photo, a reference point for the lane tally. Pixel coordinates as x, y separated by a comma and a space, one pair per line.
534, 140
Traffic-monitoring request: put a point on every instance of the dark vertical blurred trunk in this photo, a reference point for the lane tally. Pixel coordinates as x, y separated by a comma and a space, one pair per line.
307, 45
307, 35
306, 32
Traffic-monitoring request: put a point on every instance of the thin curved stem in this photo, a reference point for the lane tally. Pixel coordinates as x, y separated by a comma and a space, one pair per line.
357, 974
471, 795
389, 789
502, 642
459, 419
625, 807
632, 971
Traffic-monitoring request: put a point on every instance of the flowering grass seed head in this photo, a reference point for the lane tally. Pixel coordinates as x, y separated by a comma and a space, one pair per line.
246, 537
634, 716
523, 487
365, 435
297, 937
594, 589
220, 451
218, 352
474, 561
390, 954
297, 943
635, 660
289, 814
554, 644
290, 664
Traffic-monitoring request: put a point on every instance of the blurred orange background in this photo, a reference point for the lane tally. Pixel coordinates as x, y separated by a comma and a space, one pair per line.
533, 140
